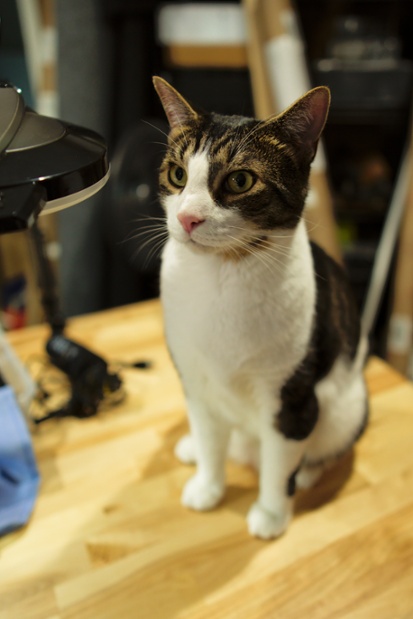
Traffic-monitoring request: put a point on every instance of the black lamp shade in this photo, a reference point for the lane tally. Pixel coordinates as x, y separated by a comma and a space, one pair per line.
68, 163
75, 161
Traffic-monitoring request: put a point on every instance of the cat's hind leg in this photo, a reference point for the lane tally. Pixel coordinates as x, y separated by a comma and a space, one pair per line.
343, 415
308, 476
185, 450
244, 449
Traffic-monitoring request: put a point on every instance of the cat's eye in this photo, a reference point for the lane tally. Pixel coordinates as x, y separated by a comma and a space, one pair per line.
239, 181
177, 176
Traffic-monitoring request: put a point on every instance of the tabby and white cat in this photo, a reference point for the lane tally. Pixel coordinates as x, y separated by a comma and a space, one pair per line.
259, 321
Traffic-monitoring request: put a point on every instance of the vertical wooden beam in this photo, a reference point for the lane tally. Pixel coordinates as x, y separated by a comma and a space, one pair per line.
278, 77
256, 32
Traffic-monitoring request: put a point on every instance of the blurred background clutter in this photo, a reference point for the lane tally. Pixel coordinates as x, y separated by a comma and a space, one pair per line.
90, 62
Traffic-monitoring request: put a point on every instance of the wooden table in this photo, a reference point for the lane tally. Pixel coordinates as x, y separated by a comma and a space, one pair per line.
110, 540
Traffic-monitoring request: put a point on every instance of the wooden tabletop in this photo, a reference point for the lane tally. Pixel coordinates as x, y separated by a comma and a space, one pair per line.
109, 539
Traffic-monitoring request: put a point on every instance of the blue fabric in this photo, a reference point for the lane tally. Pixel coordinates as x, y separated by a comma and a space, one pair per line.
19, 477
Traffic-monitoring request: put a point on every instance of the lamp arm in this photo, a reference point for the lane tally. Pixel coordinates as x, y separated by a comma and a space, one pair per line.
47, 282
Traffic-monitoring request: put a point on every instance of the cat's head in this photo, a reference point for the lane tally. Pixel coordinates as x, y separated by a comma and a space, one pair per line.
226, 182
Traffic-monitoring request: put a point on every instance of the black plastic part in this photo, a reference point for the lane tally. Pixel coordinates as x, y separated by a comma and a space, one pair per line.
59, 157
64, 167
47, 282
72, 358
20, 206
88, 375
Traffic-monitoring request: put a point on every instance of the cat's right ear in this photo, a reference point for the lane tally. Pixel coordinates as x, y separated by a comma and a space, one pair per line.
177, 110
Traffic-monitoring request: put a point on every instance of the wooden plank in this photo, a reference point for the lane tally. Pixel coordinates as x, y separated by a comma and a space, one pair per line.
109, 537
261, 91
275, 21
206, 56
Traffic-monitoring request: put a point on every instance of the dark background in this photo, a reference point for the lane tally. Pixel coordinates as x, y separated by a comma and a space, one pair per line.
108, 52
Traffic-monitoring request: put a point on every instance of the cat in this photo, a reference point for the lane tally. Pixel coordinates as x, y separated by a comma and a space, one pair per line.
260, 323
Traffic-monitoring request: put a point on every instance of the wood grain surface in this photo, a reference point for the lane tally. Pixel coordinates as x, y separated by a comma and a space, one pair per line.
109, 539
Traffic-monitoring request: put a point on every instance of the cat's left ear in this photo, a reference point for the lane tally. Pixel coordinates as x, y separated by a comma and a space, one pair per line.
303, 122
177, 110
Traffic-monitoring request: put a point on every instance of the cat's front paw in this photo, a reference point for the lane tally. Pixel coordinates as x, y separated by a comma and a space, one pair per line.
201, 495
263, 524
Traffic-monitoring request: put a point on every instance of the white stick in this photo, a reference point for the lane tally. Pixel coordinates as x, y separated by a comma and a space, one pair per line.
386, 246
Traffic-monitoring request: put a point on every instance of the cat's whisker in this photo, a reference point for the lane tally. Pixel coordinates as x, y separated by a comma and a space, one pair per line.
279, 237
245, 243
148, 220
234, 149
270, 262
145, 231
311, 225
266, 233
168, 137
150, 229
149, 217
151, 252
149, 224
275, 253
183, 133
276, 248
155, 251
161, 235
158, 243
156, 143
147, 240
155, 127
242, 145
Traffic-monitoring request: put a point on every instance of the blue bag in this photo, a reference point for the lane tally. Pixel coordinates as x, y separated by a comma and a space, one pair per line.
19, 477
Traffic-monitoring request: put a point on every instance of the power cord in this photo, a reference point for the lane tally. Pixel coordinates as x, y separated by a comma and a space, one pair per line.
91, 383
90, 380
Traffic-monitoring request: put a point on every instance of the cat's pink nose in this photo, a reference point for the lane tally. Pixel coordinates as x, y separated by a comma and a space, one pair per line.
189, 222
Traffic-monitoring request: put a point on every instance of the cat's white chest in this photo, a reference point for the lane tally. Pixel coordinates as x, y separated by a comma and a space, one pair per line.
232, 328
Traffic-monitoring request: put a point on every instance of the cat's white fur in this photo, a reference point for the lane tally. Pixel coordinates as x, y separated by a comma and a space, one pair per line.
237, 330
